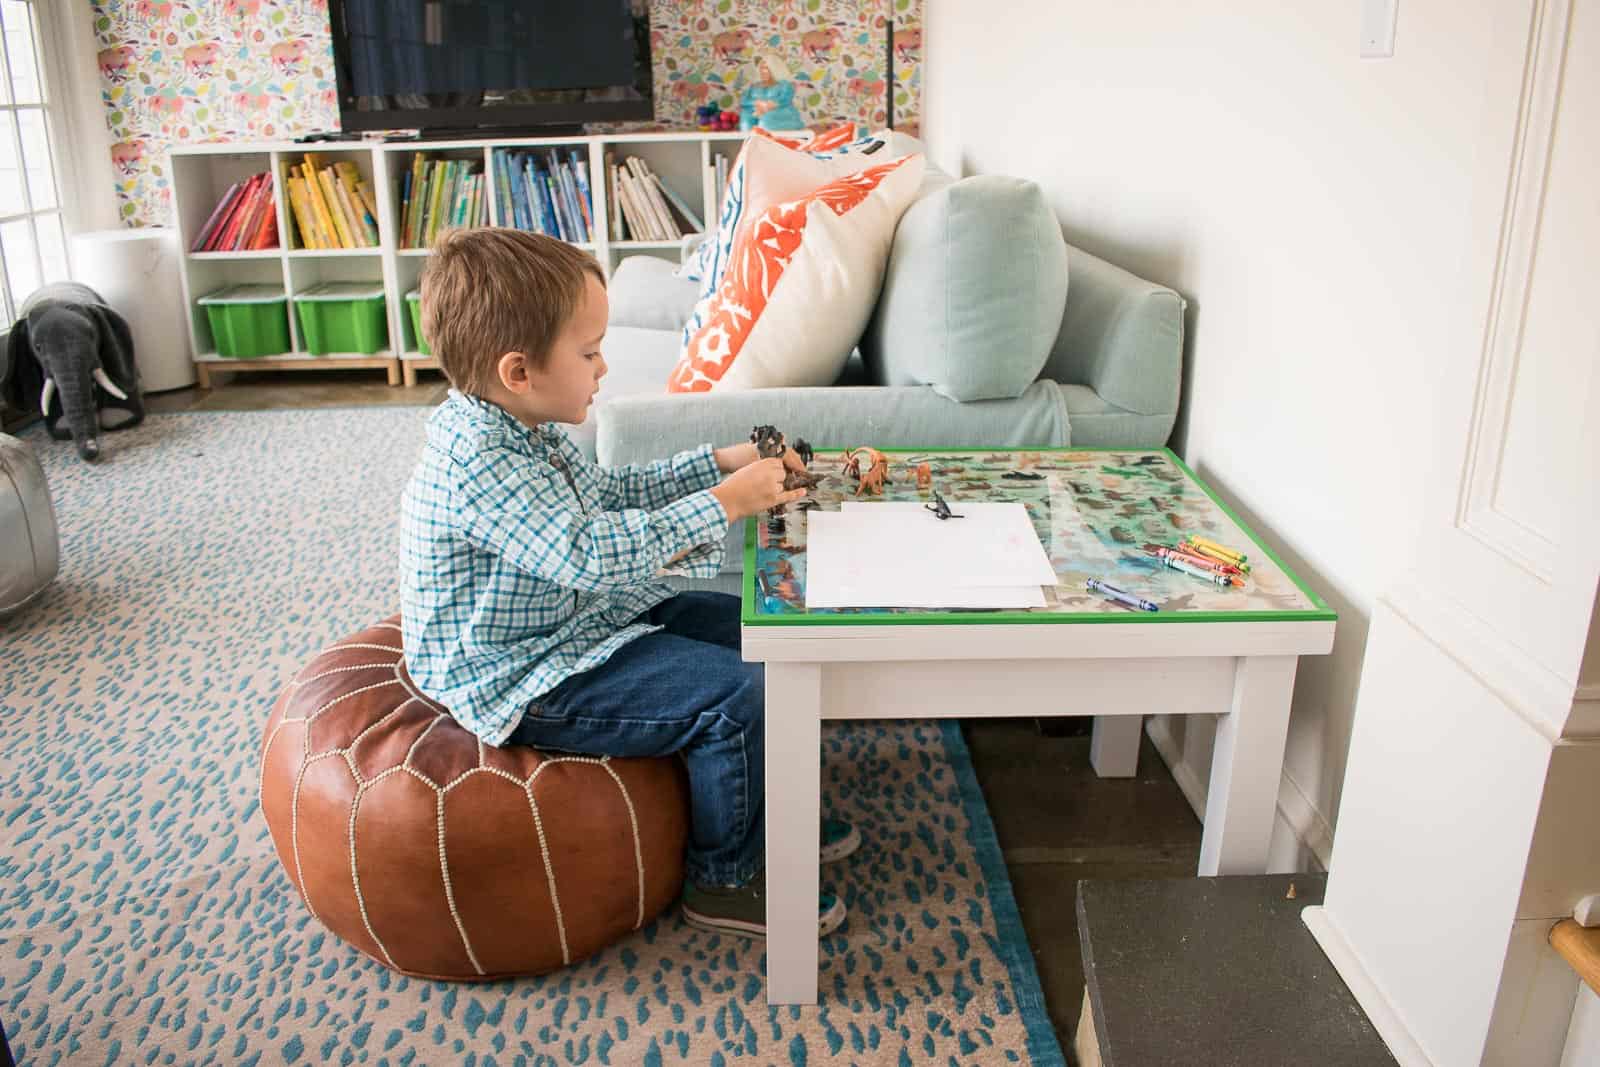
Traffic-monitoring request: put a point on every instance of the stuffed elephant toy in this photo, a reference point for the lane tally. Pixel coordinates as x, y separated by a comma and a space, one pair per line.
70, 358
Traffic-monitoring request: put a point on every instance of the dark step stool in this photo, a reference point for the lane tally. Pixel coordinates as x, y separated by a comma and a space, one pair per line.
1215, 971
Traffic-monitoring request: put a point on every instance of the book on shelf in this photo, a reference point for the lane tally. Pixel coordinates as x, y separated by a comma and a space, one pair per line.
331, 203
437, 195
545, 191
245, 218
646, 208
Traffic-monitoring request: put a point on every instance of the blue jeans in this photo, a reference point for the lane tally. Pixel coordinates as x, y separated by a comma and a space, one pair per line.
682, 689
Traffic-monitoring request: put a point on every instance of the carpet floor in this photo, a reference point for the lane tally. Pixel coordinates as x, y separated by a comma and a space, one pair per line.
144, 917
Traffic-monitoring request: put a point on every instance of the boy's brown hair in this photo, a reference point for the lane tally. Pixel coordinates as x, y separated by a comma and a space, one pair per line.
487, 291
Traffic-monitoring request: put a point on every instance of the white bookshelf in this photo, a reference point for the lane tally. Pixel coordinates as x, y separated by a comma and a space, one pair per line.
201, 175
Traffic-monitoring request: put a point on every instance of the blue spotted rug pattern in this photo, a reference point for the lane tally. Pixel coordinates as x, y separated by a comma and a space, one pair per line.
144, 917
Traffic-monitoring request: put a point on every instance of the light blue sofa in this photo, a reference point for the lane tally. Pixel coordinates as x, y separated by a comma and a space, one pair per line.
990, 331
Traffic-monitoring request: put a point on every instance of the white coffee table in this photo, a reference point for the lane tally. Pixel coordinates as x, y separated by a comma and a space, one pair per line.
1230, 654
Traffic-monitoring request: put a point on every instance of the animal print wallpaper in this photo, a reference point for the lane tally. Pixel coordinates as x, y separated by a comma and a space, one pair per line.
186, 71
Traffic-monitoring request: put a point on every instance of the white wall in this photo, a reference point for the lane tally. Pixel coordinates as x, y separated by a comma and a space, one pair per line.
1313, 207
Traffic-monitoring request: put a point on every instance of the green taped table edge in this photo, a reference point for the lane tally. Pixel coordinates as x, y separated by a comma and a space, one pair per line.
749, 616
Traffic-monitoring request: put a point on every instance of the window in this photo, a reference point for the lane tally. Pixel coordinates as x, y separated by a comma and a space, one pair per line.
33, 248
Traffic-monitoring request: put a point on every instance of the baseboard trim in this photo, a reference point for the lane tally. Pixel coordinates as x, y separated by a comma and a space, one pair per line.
1294, 809
1368, 994
1159, 729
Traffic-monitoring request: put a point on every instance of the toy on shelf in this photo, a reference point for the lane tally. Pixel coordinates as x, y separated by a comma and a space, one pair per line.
712, 119
768, 102
869, 468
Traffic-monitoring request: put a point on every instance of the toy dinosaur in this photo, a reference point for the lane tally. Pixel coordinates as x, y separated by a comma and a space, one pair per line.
871, 479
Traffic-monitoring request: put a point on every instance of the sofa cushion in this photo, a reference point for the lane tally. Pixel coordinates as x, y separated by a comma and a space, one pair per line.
637, 361
973, 295
800, 286
645, 292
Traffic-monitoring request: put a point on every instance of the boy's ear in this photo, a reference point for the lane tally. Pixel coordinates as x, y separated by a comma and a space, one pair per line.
512, 370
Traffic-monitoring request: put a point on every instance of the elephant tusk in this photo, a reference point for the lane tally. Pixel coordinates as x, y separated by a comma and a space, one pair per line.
108, 385
45, 397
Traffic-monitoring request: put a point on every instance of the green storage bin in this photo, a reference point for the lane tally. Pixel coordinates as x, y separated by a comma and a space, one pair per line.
248, 321
414, 303
342, 317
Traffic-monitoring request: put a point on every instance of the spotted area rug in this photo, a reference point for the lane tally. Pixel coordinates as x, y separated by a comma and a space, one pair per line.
144, 918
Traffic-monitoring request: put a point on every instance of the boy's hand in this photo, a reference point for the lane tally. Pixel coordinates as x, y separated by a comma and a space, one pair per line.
736, 457
754, 488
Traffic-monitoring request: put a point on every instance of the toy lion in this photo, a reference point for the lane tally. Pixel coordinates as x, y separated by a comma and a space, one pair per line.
876, 471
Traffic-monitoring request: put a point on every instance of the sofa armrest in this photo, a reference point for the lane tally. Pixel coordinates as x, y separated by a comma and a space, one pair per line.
636, 429
1121, 336
645, 293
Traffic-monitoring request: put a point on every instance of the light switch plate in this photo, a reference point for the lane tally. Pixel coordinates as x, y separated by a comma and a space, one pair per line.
1377, 28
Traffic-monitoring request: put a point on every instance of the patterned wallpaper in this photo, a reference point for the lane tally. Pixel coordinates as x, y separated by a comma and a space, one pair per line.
185, 71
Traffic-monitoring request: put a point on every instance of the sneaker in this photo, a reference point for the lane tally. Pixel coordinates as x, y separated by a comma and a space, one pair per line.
839, 840
742, 909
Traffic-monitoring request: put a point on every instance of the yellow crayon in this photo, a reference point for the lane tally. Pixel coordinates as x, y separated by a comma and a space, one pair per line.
1221, 550
1217, 554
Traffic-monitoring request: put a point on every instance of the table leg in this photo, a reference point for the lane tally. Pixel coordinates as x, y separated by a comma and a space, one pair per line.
1114, 746
1246, 767
794, 784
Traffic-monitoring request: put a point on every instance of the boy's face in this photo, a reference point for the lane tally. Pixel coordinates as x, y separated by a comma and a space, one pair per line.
564, 388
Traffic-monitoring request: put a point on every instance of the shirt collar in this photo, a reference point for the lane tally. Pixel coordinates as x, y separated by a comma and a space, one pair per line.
487, 413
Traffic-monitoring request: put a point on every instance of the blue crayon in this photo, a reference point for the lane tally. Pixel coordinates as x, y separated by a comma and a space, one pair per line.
1095, 585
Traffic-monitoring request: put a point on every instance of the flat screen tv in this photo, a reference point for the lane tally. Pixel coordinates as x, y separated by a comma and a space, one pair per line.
486, 65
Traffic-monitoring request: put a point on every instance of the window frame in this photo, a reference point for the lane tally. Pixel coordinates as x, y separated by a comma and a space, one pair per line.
46, 108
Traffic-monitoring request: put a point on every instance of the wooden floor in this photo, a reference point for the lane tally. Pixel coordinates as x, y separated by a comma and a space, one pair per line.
1056, 821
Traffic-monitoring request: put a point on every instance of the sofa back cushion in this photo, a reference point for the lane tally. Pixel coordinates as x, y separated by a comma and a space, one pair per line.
974, 291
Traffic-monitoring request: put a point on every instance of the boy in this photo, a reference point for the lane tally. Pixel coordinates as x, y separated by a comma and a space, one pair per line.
528, 589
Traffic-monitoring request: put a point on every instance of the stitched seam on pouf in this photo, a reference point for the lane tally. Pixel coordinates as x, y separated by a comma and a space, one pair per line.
449, 893
355, 876
549, 871
638, 852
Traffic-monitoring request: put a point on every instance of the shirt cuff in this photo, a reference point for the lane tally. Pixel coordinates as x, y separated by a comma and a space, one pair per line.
696, 469
699, 524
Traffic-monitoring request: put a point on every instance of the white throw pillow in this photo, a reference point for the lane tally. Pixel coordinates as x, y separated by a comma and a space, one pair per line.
800, 286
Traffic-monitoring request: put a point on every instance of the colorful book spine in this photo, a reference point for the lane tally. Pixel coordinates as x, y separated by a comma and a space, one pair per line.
218, 214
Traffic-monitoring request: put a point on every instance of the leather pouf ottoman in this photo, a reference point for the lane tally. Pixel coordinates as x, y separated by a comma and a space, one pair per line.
443, 857
30, 549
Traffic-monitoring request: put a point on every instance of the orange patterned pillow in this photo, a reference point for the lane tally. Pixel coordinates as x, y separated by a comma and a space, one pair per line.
807, 141
799, 287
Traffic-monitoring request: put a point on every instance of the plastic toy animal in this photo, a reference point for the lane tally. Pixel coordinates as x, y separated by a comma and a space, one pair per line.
769, 442
874, 476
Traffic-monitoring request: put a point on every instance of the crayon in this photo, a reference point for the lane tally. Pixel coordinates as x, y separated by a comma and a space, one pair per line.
1206, 542
1095, 585
1188, 552
1203, 562
1211, 553
1195, 572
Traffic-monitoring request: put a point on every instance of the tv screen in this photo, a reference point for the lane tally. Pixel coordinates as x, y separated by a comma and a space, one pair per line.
474, 64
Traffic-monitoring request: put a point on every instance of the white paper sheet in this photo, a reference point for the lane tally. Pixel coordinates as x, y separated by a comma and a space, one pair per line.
991, 544
900, 555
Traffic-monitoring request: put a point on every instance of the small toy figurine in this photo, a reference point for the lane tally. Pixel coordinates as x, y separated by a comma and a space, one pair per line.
924, 476
876, 473
940, 509
768, 102
769, 442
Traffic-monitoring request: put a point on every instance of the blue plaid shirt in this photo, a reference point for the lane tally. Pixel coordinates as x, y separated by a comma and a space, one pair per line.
521, 562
